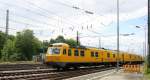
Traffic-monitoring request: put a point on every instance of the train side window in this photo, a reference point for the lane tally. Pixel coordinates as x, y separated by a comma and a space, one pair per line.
113, 55
82, 53
69, 52
122, 55
64, 51
130, 56
96, 54
139, 57
108, 54
76, 53
92, 54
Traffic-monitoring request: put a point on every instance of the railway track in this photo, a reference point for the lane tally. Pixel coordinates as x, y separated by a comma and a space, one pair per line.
11, 67
49, 74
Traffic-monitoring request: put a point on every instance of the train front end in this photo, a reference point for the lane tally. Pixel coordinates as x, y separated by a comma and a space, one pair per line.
54, 54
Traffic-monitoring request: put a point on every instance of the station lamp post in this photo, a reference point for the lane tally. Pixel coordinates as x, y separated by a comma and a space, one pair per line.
117, 35
89, 12
145, 44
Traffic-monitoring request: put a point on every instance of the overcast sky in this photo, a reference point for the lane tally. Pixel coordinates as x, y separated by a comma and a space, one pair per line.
50, 18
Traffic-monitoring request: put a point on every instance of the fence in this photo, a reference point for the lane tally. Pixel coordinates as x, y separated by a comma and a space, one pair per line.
132, 68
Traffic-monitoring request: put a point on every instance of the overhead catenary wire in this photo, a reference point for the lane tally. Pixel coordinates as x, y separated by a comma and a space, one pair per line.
32, 11
37, 21
37, 13
27, 10
51, 12
26, 23
8, 28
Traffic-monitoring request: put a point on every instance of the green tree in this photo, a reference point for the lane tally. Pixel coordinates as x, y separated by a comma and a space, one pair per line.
8, 50
52, 41
2, 41
27, 45
148, 60
72, 42
60, 39
37, 45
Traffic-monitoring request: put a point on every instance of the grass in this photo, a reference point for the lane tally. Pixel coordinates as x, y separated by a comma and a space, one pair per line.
18, 62
147, 74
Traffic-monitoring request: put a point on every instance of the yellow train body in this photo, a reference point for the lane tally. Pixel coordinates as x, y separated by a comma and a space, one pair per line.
62, 53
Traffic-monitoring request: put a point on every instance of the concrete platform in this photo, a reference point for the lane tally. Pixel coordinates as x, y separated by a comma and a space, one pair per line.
111, 75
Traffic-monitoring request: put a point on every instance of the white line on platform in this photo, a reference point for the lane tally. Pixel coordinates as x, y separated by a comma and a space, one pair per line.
100, 76
91, 75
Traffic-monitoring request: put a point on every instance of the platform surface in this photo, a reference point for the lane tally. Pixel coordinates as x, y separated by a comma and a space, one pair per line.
111, 75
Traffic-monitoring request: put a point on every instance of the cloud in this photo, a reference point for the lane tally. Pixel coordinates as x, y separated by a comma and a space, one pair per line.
50, 18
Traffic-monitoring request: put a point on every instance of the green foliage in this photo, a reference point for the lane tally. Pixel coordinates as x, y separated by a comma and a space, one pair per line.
148, 60
60, 39
71, 42
8, 50
36, 46
2, 41
147, 74
52, 41
148, 70
27, 44
24, 45
45, 46
19, 48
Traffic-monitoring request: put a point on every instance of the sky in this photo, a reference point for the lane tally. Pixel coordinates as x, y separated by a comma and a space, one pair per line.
50, 18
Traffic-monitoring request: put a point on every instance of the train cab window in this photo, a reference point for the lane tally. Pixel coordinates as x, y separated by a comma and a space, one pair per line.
82, 53
64, 51
69, 52
76, 53
54, 51
108, 54
113, 55
96, 54
92, 54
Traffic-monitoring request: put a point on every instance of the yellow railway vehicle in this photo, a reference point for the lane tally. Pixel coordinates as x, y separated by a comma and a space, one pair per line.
61, 55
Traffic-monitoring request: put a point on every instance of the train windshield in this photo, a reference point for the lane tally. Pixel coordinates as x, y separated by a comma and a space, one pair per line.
54, 51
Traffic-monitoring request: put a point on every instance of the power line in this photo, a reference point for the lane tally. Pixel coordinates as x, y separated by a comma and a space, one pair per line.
39, 22
52, 12
8, 28
49, 12
33, 12
15, 21
48, 17
28, 10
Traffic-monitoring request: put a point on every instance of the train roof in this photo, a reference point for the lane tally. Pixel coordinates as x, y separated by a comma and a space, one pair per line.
79, 47
66, 45
60, 45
